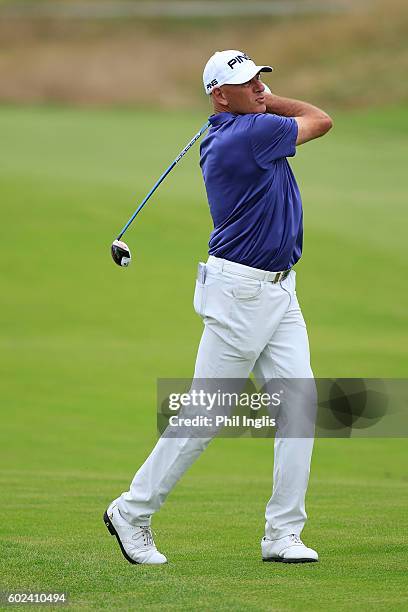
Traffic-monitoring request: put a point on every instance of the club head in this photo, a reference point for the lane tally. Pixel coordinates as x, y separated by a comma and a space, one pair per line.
121, 253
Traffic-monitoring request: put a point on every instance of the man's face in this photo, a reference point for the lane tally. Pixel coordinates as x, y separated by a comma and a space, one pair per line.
245, 98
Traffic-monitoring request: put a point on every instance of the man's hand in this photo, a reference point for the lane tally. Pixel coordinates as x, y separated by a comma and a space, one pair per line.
312, 121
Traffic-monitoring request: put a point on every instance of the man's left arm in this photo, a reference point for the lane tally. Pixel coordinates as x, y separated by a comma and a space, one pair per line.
312, 121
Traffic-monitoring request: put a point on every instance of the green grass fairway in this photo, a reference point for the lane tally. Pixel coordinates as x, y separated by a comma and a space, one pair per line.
83, 343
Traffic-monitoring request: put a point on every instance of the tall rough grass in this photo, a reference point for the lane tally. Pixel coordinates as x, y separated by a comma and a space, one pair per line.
353, 59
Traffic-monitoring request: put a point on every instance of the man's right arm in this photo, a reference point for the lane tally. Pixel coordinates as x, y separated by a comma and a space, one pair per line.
312, 121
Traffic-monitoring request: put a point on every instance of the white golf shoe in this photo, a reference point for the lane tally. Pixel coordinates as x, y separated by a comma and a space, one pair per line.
289, 549
136, 542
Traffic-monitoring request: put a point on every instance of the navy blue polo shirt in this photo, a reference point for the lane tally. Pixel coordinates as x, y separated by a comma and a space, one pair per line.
253, 196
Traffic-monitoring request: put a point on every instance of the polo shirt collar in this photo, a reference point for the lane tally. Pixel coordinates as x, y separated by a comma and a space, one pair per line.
220, 118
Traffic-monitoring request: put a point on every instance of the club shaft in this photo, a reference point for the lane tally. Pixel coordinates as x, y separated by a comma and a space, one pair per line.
163, 176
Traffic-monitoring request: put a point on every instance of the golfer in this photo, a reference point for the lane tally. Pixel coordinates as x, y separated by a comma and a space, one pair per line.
246, 295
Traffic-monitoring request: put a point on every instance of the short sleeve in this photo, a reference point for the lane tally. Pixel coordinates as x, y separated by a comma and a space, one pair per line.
272, 137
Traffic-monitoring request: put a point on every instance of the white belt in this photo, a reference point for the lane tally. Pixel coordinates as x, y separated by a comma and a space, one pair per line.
241, 270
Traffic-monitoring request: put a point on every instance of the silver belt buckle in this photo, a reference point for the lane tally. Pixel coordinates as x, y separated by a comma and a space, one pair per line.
280, 276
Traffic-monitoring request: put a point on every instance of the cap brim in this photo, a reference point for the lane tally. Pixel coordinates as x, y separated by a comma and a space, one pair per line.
246, 75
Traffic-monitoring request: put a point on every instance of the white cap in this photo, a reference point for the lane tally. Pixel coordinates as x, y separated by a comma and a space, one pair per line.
230, 67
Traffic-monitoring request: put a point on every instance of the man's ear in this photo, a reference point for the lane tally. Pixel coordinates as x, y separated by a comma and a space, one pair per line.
219, 97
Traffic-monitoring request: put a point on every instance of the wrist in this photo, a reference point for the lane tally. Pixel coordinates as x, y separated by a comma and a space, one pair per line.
274, 104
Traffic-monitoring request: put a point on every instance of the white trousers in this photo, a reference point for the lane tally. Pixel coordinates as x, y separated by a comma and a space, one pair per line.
250, 325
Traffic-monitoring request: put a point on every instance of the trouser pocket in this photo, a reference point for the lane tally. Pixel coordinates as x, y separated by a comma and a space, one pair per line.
199, 298
247, 289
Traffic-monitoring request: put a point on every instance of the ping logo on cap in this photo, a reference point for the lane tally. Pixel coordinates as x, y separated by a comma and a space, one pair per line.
238, 59
213, 83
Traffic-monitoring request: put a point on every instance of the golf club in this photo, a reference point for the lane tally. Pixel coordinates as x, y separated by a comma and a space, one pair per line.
119, 249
